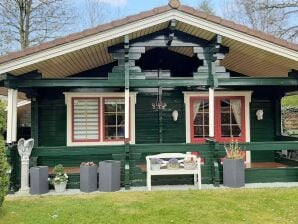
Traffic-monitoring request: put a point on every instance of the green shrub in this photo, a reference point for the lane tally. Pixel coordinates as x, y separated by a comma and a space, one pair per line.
4, 168
289, 101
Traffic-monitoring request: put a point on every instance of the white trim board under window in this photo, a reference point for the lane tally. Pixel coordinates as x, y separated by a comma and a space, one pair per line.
69, 96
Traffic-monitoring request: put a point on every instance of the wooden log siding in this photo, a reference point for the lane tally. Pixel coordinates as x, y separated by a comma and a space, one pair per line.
73, 156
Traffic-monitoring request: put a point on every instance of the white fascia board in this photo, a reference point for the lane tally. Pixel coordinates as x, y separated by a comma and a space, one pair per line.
86, 42
236, 35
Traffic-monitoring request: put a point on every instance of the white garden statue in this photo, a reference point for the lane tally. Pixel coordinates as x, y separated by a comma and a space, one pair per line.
24, 149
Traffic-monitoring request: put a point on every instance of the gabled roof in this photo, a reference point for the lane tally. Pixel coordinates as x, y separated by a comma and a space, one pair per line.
281, 55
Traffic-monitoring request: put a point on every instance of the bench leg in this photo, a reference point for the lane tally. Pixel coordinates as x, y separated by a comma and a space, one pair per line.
195, 179
200, 181
149, 182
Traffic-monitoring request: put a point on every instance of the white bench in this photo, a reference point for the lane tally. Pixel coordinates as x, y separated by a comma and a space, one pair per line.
181, 171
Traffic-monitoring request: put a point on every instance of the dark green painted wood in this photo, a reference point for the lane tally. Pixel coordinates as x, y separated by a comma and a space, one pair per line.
289, 174
247, 81
161, 39
147, 121
262, 130
34, 121
52, 121
96, 82
277, 115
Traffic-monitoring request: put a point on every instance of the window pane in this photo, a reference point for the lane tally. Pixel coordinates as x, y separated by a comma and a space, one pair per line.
231, 118
120, 107
114, 119
200, 118
236, 131
226, 131
206, 119
85, 119
110, 108
198, 131
110, 133
110, 119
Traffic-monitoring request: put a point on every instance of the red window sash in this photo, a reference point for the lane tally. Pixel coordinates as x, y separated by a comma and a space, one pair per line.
217, 120
195, 139
218, 133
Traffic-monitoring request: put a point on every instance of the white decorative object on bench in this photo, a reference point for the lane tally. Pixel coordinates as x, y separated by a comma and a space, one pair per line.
181, 171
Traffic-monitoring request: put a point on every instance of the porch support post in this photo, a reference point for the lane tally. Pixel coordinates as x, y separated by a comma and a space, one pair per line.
11, 135
211, 112
127, 117
126, 94
277, 109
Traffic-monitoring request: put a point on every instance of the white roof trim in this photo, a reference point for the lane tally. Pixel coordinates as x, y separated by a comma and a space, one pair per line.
236, 35
21, 103
143, 24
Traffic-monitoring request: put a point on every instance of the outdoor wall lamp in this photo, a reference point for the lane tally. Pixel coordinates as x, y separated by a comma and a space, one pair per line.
260, 114
175, 115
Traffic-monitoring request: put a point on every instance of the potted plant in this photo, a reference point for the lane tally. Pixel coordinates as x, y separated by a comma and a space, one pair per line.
155, 164
173, 164
190, 163
88, 177
233, 166
60, 180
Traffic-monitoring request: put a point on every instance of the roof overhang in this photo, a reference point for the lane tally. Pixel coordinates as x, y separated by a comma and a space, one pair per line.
249, 54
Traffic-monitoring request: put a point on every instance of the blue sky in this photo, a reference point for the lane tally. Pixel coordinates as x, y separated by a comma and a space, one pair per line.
135, 6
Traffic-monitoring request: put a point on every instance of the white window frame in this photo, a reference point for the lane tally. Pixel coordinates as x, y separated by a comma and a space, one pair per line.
101, 95
247, 99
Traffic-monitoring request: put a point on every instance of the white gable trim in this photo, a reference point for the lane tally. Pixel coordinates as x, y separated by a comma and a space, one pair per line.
143, 24
236, 35
85, 42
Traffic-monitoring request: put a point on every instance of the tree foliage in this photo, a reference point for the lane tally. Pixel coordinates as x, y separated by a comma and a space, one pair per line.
96, 12
4, 168
276, 17
29, 22
2, 117
206, 6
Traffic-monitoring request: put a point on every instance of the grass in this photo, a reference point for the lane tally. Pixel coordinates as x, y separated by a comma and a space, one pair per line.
210, 206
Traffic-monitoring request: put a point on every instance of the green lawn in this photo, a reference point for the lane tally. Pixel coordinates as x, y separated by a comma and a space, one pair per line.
206, 206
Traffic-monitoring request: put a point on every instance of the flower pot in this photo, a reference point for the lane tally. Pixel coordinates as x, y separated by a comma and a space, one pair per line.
109, 176
155, 167
60, 187
88, 178
233, 173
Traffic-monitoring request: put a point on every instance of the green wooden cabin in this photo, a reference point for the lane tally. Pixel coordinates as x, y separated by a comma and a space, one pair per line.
172, 79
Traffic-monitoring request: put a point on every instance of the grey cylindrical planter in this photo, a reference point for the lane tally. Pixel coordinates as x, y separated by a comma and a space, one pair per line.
233, 173
109, 175
39, 183
88, 178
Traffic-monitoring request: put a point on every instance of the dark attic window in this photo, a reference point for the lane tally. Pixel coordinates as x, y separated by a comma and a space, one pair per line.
169, 60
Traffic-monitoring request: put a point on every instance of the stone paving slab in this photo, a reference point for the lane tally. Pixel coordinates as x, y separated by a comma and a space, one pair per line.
166, 188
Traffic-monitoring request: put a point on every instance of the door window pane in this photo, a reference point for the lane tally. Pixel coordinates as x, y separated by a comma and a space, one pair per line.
230, 117
200, 119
